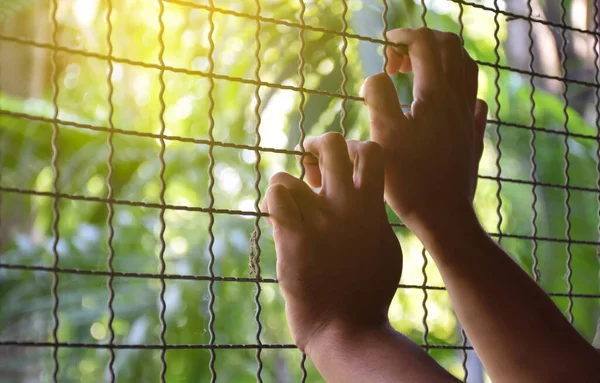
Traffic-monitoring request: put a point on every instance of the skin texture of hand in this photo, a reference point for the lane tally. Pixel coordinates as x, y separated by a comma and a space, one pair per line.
440, 141
339, 264
338, 260
431, 159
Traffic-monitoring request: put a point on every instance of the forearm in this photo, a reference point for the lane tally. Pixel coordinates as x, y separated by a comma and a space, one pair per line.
375, 355
515, 328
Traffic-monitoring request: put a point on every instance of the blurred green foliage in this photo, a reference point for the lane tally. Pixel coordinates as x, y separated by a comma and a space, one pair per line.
26, 156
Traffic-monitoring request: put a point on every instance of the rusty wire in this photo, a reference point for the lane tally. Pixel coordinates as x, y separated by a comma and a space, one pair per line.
110, 195
211, 196
55, 122
567, 162
56, 189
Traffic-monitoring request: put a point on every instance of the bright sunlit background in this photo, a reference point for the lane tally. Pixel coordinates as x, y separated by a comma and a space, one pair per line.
82, 92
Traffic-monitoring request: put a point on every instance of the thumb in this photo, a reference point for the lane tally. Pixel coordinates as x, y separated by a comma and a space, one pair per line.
385, 113
480, 117
281, 207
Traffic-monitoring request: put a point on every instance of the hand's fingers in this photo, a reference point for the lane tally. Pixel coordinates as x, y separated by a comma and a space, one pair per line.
425, 60
471, 73
398, 60
311, 167
460, 70
451, 53
281, 207
481, 110
334, 162
303, 195
385, 113
367, 157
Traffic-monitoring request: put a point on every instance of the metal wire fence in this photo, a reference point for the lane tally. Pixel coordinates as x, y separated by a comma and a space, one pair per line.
500, 128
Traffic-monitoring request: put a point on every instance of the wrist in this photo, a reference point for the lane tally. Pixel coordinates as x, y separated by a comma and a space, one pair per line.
446, 231
342, 335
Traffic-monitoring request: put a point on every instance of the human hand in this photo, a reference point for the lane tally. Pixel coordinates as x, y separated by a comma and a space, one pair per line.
432, 152
338, 260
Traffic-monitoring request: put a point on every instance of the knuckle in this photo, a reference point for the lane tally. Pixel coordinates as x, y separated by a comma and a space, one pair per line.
451, 45
425, 34
333, 139
277, 189
452, 40
277, 179
371, 149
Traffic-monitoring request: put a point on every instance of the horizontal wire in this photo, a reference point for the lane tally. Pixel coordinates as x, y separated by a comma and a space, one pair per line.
144, 346
173, 69
116, 201
127, 132
248, 147
217, 76
543, 130
286, 23
16, 343
122, 274
546, 184
564, 80
530, 237
547, 239
184, 139
526, 18
98, 128
155, 205
357, 36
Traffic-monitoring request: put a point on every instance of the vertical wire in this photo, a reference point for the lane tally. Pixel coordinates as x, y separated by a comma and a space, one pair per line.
424, 303
423, 13
257, 231
534, 269
344, 67
111, 210
302, 365
567, 166
498, 134
424, 251
1, 161
211, 184
597, 66
55, 185
384, 19
163, 186
301, 107
463, 334
301, 66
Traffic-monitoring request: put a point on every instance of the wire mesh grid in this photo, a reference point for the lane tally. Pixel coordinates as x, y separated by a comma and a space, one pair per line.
544, 190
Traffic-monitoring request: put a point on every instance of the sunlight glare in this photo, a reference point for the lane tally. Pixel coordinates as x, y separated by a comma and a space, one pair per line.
229, 180
98, 331
274, 119
248, 156
246, 204
179, 246
85, 11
